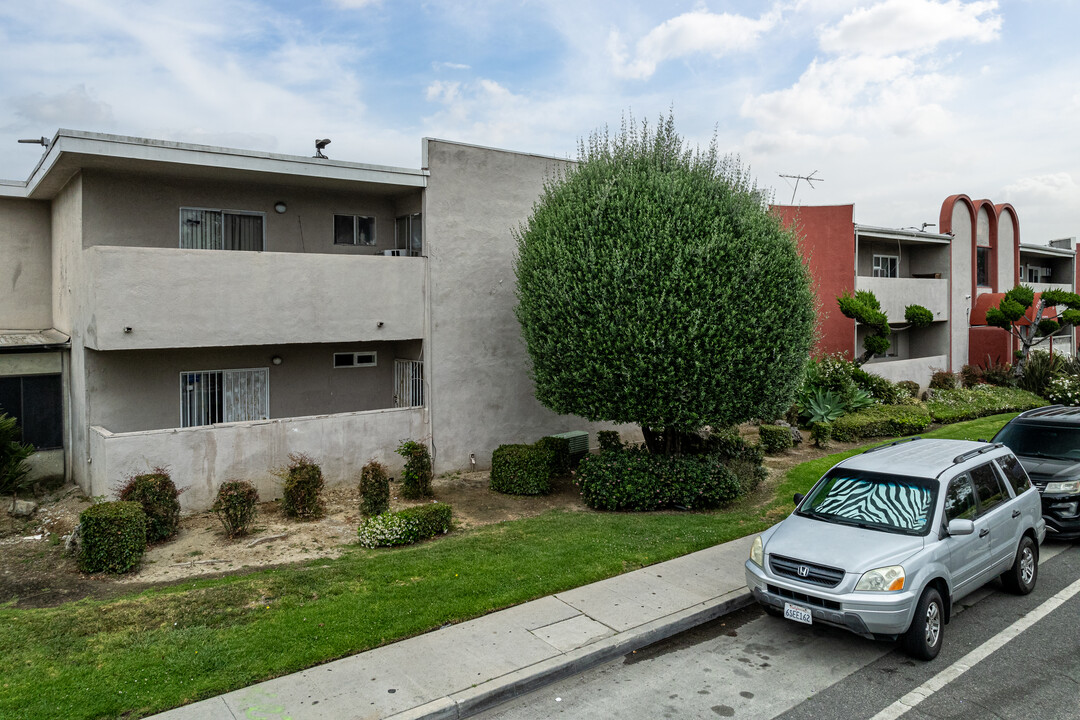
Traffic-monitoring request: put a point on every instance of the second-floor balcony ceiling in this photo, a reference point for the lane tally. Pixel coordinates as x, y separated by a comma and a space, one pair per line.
72, 151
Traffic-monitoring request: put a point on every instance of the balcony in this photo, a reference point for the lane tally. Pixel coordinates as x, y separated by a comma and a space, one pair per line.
149, 298
895, 294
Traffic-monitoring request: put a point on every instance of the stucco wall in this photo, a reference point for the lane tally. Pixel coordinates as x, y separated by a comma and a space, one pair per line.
481, 395
140, 390
1006, 252
144, 211
827, 242
200, 459
183, 298
25, 265
961, 281
918, 369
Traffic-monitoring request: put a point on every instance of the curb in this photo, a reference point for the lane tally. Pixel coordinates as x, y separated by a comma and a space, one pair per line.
496, 691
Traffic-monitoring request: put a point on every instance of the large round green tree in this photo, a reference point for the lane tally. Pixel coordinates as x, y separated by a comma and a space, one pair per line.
655, 287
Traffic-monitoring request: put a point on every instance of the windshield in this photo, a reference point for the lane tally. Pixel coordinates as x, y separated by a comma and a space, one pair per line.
1043, 441
889, 503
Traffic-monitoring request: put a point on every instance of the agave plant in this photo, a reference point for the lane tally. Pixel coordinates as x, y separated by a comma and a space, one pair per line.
822, 406
859, 399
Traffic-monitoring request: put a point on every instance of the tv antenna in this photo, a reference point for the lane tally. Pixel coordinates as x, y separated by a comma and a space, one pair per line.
810, 180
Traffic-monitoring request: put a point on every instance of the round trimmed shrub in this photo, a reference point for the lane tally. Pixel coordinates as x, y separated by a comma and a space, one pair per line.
113, 537
560, 454
774, 438
235, 506
374, 489
609, 440
158, 496
821, 433
521, 469
301, 492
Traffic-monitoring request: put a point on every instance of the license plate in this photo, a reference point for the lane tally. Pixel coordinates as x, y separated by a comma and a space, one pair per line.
798, 613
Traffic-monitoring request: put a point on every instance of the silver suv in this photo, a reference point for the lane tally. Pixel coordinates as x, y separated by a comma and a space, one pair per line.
887, 541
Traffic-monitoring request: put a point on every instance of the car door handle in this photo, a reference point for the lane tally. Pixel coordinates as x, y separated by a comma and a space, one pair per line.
984, 532
1016, 513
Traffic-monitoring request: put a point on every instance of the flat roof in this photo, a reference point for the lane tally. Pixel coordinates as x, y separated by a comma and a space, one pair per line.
73, 150
1046, 250
902, 234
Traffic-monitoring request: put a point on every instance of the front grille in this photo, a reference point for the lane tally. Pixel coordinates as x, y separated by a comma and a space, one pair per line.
804, 598
815, 574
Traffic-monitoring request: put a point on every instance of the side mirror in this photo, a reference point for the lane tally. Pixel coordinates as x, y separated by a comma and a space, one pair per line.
798, 498
961, 527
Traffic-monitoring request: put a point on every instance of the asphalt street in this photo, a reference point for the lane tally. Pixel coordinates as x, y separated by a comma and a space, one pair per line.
750, 665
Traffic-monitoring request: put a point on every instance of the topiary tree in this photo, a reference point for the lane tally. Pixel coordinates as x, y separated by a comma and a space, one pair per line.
1010, 314
655, 287
863, 307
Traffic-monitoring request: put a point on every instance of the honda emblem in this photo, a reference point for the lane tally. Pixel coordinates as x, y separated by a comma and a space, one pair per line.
803, 571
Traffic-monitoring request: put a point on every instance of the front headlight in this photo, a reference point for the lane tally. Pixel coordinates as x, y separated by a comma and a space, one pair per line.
1070, 486
884, 579
757, 554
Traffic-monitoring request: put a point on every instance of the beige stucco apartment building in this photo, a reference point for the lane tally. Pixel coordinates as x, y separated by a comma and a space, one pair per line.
212, 310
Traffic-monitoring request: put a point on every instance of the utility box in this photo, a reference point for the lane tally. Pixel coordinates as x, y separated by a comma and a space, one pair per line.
578, 441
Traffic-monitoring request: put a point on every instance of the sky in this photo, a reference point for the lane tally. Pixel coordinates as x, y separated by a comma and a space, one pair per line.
894, 104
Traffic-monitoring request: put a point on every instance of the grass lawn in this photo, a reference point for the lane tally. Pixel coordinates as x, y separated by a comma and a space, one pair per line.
158, 649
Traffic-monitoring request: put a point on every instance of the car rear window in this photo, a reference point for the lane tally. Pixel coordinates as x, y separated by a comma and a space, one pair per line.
1014, 473
877, 501
1060, 442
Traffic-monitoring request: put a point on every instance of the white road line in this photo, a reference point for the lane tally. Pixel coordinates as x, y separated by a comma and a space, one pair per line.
980, 653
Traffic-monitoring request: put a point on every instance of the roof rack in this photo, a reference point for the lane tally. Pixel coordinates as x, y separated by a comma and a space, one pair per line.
896, 442
962, 457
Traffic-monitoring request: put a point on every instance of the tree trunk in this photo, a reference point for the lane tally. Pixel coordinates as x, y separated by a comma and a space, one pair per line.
668, 441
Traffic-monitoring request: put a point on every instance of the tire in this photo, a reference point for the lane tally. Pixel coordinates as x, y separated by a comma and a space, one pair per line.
923, 639
1020, 578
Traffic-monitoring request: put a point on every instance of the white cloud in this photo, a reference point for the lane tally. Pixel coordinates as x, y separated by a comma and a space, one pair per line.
690, 33
355, 4
905, 26
449, 66
440, 91
857, 94
72, 108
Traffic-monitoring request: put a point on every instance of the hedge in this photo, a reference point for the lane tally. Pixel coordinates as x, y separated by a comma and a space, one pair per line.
881, 421
634, 479
113, 537
522, 469
405, 527
560, 454
950, 406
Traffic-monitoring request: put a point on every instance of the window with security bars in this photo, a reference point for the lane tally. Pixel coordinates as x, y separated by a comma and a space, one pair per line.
408, 383
203, 229
221, 396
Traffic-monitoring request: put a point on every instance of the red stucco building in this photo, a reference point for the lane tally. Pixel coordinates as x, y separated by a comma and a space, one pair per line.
957, 273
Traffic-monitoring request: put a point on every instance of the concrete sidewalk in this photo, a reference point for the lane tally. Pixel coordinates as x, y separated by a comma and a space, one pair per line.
463, 669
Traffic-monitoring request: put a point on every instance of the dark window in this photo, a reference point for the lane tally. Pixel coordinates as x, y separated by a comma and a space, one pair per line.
960, 500
988, 487
1014, 473
409, 234
354, 230
982, 267
36, 402
1041, 440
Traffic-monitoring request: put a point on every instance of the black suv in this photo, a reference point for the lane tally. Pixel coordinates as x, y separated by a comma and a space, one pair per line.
1047, 442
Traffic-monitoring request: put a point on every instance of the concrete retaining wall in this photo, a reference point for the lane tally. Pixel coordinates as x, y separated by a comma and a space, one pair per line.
200, 459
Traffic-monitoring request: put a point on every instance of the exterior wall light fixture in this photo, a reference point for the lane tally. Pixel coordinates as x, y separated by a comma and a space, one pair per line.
276, 359
280, 207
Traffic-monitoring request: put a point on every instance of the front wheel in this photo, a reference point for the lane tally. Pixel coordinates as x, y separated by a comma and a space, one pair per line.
923, 638
1020, 578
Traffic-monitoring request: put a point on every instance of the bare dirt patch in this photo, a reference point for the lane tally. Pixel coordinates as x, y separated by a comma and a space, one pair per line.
35, 570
